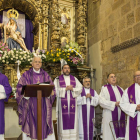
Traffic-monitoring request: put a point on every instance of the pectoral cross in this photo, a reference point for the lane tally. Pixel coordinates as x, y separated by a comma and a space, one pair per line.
116, 125
64, 106
38, 80
122, 124
72, 106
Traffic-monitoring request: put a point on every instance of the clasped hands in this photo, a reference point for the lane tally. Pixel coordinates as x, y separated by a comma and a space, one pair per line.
70, 87
117, 104
88, 95
138, 107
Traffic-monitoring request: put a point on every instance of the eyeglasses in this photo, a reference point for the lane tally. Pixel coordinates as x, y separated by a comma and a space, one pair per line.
113, 77
137, 75
37, 62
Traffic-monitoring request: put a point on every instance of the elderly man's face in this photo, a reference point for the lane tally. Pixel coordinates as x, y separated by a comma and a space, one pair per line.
66, 70
112, 79
137, 77
86, 83
37, 63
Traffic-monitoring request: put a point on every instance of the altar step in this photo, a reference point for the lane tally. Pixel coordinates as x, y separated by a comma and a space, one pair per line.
11, 138
19, 138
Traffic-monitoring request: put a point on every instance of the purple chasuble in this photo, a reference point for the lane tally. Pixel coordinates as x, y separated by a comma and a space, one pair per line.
68, 118
4, 82
118, 127
28, 108
84, 114
132, 121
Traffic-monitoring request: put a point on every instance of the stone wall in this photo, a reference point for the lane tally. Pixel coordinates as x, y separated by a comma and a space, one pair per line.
113, 22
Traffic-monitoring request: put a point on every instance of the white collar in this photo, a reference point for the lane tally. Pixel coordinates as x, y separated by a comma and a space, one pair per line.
113, 86
36, 71
137, 84
86, 88
66, 75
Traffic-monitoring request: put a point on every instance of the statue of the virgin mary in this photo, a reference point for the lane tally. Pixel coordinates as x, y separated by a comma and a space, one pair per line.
12, 33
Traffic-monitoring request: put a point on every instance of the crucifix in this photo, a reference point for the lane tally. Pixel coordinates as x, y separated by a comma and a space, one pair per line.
64, 106
38, 80
72, 106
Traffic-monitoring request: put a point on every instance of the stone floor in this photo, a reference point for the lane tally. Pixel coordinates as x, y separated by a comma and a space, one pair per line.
11, 138
19, 138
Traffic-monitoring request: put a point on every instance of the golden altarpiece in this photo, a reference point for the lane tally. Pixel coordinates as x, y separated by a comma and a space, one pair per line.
55, 23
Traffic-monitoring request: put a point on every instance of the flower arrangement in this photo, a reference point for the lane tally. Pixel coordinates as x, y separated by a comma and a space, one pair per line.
3, 47
72, 45
12, 56
41, 54
70, 53
14, 85
74, 53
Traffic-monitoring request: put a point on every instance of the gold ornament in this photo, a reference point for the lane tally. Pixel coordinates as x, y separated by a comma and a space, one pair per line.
12, 13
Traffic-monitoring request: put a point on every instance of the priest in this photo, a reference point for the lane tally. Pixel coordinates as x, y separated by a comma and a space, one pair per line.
130, 104
113, 118
27, 107
68, 88
5, 90
86, 102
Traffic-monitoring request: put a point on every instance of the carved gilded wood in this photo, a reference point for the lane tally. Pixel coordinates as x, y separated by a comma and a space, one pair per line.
82, 25
59, 16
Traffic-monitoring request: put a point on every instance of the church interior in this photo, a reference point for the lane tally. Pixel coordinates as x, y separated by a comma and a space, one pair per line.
95, 37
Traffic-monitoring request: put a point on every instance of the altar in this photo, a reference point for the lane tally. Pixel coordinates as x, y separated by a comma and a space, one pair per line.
48, 29
56, 31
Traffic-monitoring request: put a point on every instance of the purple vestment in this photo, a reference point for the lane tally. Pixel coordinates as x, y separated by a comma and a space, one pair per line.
68, 118
118, 127
132, 121
84, 114
4, 81
27, 109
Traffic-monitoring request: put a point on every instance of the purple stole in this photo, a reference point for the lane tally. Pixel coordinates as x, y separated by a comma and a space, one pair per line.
84, 114
119, 128
132, 121
68, 119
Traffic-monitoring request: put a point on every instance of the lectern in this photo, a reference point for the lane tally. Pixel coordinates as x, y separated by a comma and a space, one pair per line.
38, 91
